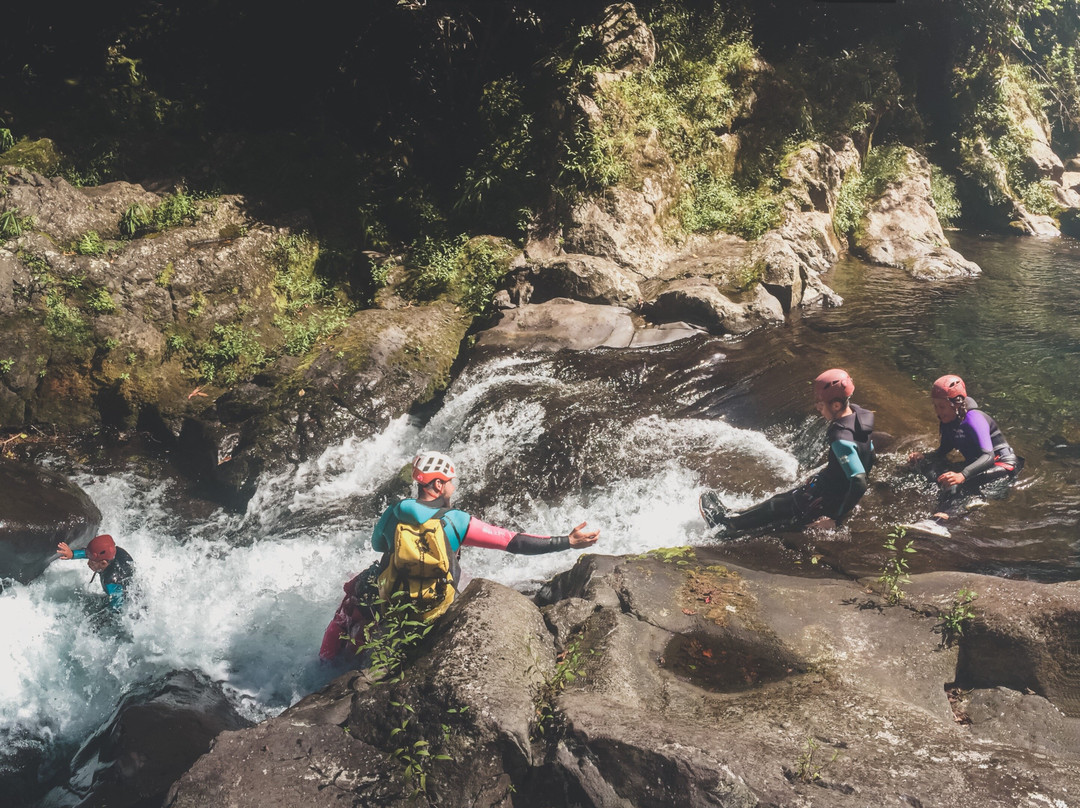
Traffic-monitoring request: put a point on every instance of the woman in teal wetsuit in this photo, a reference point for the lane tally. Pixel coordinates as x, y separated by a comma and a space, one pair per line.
436, 483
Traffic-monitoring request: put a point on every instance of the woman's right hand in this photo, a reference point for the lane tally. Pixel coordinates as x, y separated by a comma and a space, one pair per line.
64, 551
579, 537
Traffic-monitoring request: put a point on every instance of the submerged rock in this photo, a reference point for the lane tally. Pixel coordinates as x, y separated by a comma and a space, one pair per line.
154, 736
39, 509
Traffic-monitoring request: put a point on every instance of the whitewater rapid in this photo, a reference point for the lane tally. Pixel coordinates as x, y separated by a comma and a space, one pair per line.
244, 598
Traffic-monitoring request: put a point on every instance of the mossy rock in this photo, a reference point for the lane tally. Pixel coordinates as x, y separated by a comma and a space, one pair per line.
40, 156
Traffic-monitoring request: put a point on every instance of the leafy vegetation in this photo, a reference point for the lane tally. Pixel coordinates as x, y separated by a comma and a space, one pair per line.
957, 617
882, 167
101, 302
569, 666
807, 769
943, 192
12, 225
232, 352
894, 571
89, 243
417, 756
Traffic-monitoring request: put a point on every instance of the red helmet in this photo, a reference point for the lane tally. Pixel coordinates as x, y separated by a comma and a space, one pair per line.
101, 548
949, 387
431, 466
832, 385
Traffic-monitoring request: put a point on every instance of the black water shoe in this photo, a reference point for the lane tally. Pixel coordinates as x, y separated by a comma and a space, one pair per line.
713, 510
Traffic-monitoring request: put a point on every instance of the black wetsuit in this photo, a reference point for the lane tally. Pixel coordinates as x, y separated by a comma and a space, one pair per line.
833, 491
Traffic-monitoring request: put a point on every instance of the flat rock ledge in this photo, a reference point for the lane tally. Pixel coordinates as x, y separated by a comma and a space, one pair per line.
677, 678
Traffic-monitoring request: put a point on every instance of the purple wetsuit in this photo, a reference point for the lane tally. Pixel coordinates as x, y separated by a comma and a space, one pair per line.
977, 437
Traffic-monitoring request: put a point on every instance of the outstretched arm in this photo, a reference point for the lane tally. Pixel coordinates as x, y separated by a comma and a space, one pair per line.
481, 534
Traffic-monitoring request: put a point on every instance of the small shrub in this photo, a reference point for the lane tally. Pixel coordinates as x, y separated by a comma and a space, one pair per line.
135, 219
484, 264
392, 636
882, 168
12, 225
164, 277
301, 335
1039, 199
569, 666
6, 365
101, 302
894, 572
62, 320
959, 614
175, 210
7, 140
435, 265
89, 243
231, 352
943, 192
806, 768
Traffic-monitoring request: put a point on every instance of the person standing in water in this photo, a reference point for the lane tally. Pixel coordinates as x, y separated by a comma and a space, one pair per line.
112, 563
964, 428
446, 530
828, 497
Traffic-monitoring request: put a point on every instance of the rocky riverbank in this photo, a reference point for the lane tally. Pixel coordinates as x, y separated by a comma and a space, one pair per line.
678, 677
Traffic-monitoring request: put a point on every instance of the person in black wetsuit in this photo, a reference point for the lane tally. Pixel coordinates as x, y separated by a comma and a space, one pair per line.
112, 563
828, 497
965, 428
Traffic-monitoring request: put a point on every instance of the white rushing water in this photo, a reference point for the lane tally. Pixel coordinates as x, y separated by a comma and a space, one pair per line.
250, 613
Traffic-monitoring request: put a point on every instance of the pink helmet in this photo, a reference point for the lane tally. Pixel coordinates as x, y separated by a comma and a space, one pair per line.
832, 385
101, 548
949, 387
430, 466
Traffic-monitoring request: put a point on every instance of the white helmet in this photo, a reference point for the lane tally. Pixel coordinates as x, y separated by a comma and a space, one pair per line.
431, 466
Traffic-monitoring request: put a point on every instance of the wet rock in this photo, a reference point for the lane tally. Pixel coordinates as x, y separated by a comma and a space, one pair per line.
39, 509
683, 680
901, 229
560, 323
581, 277
699, 301
156, 734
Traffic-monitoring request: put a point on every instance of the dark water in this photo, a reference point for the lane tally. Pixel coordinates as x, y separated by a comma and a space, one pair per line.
1014, 335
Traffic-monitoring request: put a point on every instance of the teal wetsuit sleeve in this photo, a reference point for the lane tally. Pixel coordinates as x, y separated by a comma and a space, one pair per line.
848, 454
116, 596
78, 554
379, 539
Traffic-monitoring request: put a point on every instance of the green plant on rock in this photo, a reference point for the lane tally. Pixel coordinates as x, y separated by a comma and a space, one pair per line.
7, 140
6, 365
231, 352
175, 210
62, 320
807, 769
714, 203
392, 636
417, 756
136, 218
484, 262
101, 302
943, 192
894, 572
89, 243
302, 334
12, 225
1039, 198
882, 167
435, 265
569, 666
957, 617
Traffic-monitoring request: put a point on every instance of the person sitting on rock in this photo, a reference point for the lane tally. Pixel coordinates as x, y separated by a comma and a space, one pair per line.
965, 428
420, 539
828, 497
112, 563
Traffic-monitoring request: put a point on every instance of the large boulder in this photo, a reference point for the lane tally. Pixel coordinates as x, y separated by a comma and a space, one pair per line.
901, 228
156, 734
39, 509
683, 679
587, 278
699, 301
560, 323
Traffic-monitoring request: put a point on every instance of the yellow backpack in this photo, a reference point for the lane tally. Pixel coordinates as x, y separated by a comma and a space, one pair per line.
422, 565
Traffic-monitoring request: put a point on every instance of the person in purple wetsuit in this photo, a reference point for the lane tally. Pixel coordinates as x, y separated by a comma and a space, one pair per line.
436, 483
965, 428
